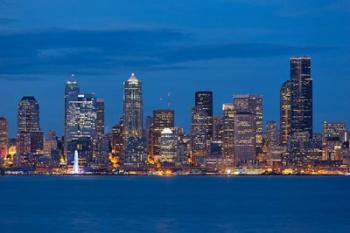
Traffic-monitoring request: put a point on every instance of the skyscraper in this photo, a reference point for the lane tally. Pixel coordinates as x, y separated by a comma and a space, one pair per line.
302, 103
202, 124
228, 131
272, 135
117, 141
70, 94
100, 129
334, 137
81, 127
248, 139
254, 105
199, 134
29, 135
28, 115
204, 101
100, 118
244, 137
285, 112
133, 108
167, 146
162, 118
3, 137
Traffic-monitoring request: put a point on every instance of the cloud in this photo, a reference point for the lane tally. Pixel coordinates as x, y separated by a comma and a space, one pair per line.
61, 51
5, 21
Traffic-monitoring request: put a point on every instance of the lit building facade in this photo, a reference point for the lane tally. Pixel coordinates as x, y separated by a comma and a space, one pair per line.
199, 136
161, 119
285, 112
204, 101
272, 134
29, 135
168, 142
202, 125
252, 104
228, 132
301, 93
100, 148
81, 127
133, 108
3, 137
334, 139
135, 152
71, 93
244, 137
117, 141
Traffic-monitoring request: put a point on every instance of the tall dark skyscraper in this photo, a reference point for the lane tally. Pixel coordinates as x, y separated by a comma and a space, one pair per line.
100, 145
133, 108
100, 118
302, 110
204, 101
285, 112
29, 135
3, 136
202, 124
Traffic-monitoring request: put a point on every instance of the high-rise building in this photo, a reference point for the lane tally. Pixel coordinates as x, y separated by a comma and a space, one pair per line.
168, 143
285, 112
244, 137
248, 110
164, 118
302, 112
133, 108
252, 104
204, 101
335, 130
100, 118
202, 124
28, 115
100, 129
135, 152
117, 141
71, 93
29, 135
334, 137
199, 134
50, 143
81, 127
217, 128
228, 131
272, 135
3, 137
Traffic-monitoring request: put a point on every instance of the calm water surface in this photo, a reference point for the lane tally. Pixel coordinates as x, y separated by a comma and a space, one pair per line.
175, 204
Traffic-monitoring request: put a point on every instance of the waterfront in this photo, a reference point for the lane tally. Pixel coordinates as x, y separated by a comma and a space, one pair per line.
174, 204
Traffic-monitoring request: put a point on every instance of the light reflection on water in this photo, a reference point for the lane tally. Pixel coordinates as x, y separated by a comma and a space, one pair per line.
174, 204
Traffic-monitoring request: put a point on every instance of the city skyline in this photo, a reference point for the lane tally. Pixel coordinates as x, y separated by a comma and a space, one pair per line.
174, 116
219, 48
167, 105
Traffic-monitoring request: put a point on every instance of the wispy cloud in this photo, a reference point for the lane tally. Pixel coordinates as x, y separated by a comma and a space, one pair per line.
59, 51
5, 21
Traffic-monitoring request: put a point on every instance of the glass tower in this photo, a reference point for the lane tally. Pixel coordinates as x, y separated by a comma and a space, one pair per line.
133, 108
302, 114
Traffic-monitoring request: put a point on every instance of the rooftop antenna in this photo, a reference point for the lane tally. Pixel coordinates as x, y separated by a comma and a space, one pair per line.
169, 99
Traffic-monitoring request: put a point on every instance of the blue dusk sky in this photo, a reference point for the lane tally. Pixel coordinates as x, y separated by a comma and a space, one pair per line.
227, 46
